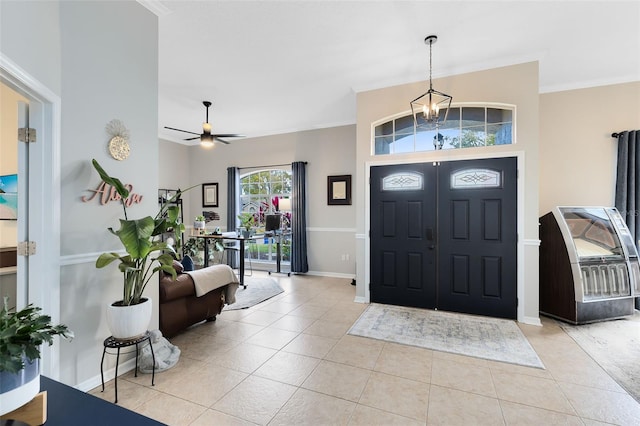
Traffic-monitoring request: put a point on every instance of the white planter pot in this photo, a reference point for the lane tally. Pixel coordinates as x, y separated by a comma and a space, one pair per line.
16, 389
129, 322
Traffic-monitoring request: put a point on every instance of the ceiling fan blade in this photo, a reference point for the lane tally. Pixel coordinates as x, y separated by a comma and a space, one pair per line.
192, 139
220, 140
180, 130
228, 135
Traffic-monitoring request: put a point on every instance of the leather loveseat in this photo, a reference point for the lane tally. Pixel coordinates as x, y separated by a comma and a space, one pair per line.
180, 308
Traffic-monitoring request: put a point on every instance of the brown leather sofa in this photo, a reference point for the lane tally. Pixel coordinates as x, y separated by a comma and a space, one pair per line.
180, 308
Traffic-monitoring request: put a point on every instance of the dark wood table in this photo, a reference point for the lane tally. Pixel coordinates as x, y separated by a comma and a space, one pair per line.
67, 406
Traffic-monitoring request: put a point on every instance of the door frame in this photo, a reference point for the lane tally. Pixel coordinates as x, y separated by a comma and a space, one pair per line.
451, 156
44, 190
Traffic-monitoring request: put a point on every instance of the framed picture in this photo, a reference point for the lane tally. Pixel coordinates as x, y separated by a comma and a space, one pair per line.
339, 190
210, 194
9, 197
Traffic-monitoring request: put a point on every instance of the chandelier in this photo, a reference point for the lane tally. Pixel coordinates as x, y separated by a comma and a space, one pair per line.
426, 107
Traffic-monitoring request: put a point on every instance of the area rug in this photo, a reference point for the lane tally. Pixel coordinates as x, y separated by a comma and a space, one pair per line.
615, 346
480, 337
258, 290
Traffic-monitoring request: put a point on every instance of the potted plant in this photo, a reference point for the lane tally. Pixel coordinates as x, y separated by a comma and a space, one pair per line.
199, 224
21, 334
146, 254
247, 221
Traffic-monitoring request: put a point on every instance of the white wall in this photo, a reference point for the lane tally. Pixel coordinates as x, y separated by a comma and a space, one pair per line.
101, 59
327, 152
577, 152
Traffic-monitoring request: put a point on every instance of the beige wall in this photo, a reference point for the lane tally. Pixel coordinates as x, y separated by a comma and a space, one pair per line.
8, 153
516, 85
577, 152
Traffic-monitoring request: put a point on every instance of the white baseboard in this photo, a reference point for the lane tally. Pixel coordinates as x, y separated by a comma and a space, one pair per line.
532, 321
330, 274
110, 374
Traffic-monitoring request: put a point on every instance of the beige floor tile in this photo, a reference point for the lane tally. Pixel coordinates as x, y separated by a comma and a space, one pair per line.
207, 386
367, 416
238, 331
534, 391
273, 338
167, 378
405, 361
213, 417
602, 405
235, 314
256, 399
244, 357
581, 370
454, 407
280, 307
342, 381
288, 368
312, 408
518, 414
518, 369
263, 318
394, 394
463, 377
463, 359
293, 323
130, 395
331, 329
308, 310
357, 351
315, 346
206, 347
342, 315
171, 410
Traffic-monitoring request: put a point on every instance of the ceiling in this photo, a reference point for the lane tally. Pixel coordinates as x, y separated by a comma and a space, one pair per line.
272, 67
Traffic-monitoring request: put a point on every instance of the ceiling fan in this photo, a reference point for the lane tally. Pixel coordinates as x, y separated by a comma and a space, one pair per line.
206, 138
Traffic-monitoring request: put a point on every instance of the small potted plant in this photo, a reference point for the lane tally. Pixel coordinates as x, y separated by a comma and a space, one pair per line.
247, 221
199, 225
21, 334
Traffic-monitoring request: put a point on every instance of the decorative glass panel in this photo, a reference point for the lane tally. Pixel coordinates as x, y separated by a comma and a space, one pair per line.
406, 181
476, 178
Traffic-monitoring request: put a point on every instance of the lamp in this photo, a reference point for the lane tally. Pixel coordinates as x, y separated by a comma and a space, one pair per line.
426, 107
284, 204
206, 138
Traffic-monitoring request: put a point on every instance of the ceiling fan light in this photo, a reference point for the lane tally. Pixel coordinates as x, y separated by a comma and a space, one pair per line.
206, 127
206, 141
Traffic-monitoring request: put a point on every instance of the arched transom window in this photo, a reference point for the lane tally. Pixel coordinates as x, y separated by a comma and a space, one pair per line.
466, 127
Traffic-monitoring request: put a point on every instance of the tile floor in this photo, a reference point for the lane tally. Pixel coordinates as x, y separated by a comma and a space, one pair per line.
289, 361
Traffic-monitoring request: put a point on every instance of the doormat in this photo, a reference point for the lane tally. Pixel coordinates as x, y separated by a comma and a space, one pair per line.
481, 337
258, 290
615, 346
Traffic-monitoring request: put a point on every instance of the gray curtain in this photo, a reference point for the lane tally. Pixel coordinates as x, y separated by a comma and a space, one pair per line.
299, 217
628, 183
233, 199
628, 180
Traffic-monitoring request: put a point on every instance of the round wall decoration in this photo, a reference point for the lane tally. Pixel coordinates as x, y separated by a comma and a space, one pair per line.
119, 142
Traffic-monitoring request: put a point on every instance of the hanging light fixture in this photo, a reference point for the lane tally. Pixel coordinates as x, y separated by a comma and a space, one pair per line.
426, 107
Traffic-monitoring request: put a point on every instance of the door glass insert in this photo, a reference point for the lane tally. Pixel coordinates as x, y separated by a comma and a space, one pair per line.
476, 178
403, 182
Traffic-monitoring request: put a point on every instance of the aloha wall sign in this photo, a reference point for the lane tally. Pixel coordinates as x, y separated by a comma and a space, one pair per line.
105, 193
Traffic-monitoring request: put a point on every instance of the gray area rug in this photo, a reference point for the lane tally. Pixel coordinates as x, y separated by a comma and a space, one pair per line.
481, 337
615, 346
258, 290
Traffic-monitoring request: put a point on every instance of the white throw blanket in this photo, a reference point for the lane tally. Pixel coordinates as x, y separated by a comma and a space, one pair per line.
215, 276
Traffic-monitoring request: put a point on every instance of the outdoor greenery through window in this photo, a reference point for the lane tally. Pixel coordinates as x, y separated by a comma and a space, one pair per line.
466, 127
260, 193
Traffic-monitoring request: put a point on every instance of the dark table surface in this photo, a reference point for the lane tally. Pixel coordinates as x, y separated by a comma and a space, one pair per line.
69, 407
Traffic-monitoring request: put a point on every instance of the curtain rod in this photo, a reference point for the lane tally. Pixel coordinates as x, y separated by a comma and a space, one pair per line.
268, 165
615, 135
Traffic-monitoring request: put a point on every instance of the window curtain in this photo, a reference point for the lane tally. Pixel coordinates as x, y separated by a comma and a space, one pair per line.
233, 197
299, 217
628, 183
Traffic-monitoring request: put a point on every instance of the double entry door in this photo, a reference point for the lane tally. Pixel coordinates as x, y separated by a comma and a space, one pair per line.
443, 236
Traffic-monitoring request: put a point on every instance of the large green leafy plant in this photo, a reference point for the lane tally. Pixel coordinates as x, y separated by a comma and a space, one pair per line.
21, 334
146, 253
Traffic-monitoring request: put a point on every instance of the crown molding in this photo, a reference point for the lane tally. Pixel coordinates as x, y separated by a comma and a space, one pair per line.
156, 7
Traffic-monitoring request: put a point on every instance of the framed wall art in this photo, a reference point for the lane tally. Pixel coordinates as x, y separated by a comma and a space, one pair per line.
9, 197
339, 190
210, 194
